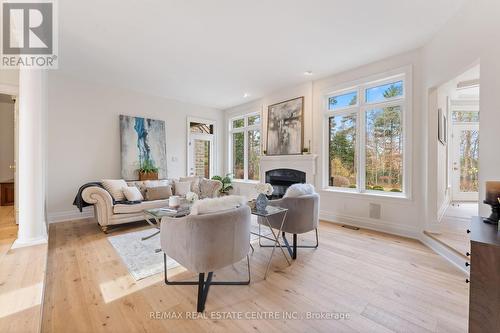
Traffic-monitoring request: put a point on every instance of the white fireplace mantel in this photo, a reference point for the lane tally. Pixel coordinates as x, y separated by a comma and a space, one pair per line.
304, 163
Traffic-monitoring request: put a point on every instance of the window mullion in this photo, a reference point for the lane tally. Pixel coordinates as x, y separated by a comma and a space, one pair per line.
245, 155
361, 150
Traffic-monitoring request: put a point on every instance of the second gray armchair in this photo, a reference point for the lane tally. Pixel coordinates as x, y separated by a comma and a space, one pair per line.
302, 217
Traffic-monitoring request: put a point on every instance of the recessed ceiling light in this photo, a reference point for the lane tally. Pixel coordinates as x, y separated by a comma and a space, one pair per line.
308, 73
245, 95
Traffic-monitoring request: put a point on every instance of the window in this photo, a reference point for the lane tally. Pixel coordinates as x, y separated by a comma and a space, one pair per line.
245, 151
366, 137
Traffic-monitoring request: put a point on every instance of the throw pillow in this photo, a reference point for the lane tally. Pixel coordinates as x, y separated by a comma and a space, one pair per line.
214, 205
182, 188
156, 183
132, 193
115, 188
158, 192
296, 190
195, 183
208, 187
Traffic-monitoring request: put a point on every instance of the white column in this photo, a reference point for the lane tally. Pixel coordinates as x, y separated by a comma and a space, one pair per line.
31, 159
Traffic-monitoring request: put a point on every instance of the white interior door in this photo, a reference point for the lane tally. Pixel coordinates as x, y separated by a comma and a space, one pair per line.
465, 162
201, 155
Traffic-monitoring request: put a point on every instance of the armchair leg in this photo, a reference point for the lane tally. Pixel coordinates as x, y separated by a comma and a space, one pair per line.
293, 250
104, 228
204, 285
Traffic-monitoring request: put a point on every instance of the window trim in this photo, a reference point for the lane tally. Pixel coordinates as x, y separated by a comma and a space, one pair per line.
245, 129
405, 101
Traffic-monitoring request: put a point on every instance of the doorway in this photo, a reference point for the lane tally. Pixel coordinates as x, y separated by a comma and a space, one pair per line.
200, 148
465, 159
7, 165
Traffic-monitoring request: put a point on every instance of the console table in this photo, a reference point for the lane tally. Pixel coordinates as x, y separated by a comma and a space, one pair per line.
7, 193
484, 297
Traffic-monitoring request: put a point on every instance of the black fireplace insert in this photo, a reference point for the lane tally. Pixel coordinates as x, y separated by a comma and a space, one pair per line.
281, 179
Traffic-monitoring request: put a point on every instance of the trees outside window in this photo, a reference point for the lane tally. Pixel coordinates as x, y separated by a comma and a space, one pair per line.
366, 137
245, 143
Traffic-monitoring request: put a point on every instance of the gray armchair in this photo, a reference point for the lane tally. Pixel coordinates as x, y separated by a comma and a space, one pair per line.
302, 217
205, 243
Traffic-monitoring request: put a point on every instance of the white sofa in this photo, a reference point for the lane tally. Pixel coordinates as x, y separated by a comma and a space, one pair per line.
107, 213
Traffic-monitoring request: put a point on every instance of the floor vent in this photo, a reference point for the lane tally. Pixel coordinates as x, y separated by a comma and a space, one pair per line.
350, 227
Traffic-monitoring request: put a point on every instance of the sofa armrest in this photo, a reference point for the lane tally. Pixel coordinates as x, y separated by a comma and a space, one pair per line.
102, 201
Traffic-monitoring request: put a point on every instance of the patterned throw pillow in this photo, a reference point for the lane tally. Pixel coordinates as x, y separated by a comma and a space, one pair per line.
115, 188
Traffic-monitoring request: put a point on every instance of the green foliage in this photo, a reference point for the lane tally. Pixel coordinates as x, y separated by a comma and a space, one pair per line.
227, 183
352, 186
377, 188
395, 190
148, 166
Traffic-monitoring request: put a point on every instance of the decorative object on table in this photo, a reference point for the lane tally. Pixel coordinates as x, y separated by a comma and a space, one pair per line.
147, 171
143, 145
227, 183
285, 127
174, 201
191, 197
492, 199
442, 127
263, 190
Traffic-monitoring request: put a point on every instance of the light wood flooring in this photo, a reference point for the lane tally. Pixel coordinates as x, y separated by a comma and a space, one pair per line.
22, 273
454, 225
385, 283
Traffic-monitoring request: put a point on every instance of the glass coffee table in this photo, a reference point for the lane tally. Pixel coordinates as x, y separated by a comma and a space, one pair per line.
268, 212
154, 215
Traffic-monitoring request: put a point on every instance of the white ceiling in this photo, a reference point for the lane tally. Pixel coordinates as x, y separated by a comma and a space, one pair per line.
212, 52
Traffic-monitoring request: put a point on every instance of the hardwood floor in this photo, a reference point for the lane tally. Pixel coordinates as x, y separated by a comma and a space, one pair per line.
385, 283
22, 273
454, 225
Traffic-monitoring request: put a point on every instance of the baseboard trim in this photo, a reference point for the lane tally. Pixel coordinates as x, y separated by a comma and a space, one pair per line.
450, 255
372, 224
71, 215
31, 242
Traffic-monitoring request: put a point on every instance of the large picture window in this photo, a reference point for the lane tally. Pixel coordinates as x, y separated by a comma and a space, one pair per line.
366, 137
245, 143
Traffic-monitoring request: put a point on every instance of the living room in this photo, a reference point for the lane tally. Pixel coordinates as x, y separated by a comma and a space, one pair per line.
193, 166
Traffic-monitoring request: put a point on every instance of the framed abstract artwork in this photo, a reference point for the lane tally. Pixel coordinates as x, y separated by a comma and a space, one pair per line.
143, 141
285, 127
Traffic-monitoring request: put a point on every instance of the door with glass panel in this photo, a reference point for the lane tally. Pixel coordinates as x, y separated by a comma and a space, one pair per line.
465, 156
200, 150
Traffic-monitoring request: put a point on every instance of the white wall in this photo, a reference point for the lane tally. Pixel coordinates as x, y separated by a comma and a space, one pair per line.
471, 36
84, 135
6, 140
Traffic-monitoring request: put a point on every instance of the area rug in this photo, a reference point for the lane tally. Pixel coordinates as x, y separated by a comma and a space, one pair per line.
139, 256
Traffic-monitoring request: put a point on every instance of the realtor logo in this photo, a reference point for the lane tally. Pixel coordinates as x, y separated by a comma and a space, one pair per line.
28, 34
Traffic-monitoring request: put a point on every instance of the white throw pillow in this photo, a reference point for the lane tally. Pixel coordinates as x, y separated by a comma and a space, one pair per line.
214, 205
132, 193
182, 188
296, 190
115, 188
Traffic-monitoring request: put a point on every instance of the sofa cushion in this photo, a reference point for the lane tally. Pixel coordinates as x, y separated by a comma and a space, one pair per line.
158, 192
137, 208
132, 193
115, 188
208, 187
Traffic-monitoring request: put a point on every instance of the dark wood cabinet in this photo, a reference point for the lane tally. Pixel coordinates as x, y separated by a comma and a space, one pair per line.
7, 193
484, 301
